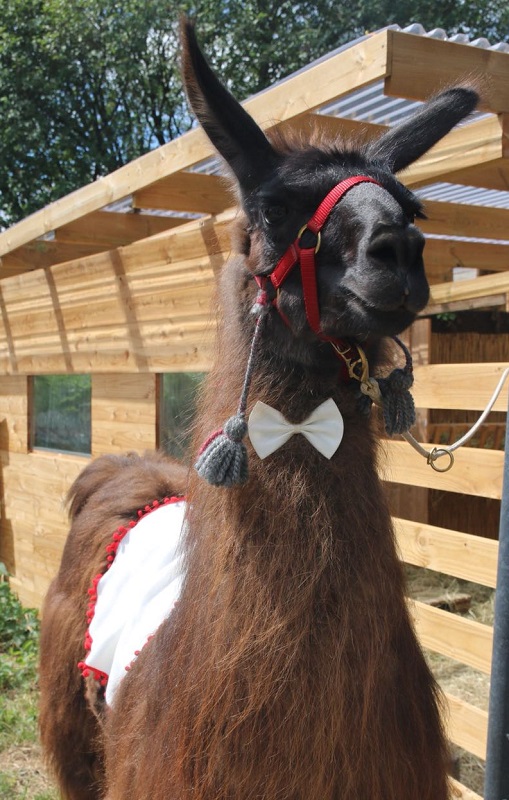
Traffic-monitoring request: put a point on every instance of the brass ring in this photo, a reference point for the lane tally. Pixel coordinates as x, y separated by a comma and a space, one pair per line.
435, 454
318, 236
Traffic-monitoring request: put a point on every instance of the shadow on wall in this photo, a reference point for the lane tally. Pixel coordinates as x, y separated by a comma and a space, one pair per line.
7, 552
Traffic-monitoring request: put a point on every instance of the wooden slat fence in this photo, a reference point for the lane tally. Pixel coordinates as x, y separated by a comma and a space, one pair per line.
460, 555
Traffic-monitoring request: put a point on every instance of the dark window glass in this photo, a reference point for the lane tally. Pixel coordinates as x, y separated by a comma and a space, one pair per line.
60, 413
178, 395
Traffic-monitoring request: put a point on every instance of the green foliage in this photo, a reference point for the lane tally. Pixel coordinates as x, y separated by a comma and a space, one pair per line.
19, 636
84, 87
178, 408
88, 85
18, 625
18, 716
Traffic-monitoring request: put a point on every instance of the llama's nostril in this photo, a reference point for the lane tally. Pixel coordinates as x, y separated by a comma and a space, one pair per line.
384, 253
386, 249
397, 248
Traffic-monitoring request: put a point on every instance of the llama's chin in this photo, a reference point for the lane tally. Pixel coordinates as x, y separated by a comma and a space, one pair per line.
362, 323
383, 319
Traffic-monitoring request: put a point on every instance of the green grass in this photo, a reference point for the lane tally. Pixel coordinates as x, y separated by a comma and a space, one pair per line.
21, 772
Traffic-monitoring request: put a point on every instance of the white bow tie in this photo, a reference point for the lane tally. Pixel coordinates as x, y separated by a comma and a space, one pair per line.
269, 430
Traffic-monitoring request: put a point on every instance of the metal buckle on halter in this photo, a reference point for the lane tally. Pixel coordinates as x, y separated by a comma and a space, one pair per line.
358, 368
317, 237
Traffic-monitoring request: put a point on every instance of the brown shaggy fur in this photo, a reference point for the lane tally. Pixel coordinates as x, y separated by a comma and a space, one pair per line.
106, 494
291, 669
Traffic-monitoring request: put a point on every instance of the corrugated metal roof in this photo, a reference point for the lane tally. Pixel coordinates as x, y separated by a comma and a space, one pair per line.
370, 104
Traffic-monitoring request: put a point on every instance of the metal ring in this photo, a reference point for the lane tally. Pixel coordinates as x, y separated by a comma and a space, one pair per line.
318, 236
436, 453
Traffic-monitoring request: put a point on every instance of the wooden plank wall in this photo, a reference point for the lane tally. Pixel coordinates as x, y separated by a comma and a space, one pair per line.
34, 485
453, 552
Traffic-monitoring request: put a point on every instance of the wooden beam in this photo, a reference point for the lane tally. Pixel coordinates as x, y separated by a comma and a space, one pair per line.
456, 637
186, 191
442, 255
476, 472
495, 301
124, 411
460, 219
113, 229
333, 128
467, 726
335, 76
492, 175
474, 146
13, 416
485, 286
459, 386
42, 254
460, 792
421, 66
462, 555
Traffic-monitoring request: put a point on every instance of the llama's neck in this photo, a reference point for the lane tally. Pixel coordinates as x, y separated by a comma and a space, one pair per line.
295, 588
295, 496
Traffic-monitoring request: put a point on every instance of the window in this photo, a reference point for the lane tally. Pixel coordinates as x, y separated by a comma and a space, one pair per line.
178, 396
60, 413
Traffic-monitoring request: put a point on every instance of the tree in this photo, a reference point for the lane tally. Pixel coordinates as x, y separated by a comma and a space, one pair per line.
84, 88
88, 85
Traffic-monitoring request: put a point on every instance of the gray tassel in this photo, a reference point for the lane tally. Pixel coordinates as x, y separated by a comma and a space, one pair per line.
398, 403
222, 460
392, 395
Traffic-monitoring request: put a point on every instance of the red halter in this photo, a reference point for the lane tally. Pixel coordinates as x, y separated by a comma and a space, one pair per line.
305, 255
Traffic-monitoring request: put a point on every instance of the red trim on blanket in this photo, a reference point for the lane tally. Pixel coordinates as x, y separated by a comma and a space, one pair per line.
111, 550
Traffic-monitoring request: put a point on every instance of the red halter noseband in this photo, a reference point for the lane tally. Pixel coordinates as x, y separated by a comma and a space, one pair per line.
297, 253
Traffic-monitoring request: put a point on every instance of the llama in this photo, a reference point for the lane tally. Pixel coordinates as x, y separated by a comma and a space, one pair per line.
289, 669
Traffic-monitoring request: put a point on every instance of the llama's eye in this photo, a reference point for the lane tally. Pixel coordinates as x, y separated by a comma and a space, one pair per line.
274, 214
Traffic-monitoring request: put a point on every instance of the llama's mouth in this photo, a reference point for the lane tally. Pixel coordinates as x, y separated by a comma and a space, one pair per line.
359, 318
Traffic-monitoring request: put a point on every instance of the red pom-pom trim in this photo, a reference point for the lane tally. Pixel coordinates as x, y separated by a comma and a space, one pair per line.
111, 551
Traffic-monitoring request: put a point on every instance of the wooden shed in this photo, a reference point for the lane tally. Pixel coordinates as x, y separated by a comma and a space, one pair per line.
115, 280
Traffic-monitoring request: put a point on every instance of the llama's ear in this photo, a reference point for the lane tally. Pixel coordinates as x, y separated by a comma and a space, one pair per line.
229, 127
407, 142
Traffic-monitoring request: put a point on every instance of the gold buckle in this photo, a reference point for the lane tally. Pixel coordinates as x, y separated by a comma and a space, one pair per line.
353, 363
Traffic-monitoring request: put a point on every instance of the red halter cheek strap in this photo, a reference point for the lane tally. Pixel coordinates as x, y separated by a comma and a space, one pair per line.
298, 253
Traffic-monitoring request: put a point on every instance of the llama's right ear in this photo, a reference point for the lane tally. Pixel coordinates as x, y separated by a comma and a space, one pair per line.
229, 127
405, 143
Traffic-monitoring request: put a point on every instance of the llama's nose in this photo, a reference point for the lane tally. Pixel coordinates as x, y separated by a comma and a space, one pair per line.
397, 248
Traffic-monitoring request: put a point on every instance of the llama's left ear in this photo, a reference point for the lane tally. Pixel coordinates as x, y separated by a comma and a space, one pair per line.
229, 127
407, 142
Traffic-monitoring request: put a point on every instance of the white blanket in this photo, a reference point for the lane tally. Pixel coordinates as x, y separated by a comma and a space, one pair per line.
137, 593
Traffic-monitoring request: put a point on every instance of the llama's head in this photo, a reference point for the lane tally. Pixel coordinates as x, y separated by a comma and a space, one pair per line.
370, 279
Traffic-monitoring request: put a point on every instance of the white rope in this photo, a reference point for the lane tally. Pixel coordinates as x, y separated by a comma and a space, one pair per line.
371, 388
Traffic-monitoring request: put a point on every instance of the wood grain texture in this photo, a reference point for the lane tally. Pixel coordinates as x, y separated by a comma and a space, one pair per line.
467, 726
124, 411
421, 66
475, 472
14, 414
457, 637
463, 555
459, 386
